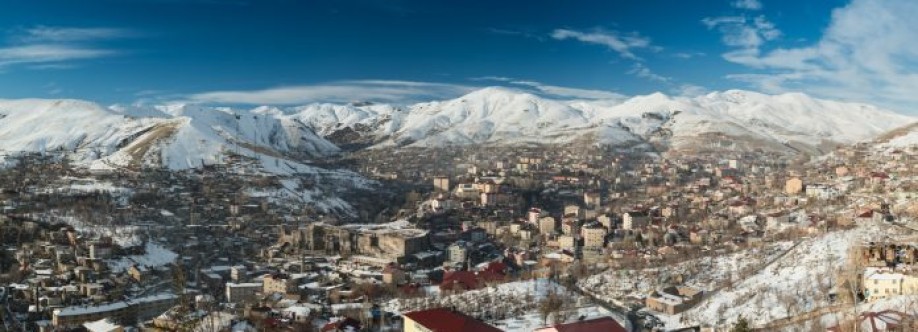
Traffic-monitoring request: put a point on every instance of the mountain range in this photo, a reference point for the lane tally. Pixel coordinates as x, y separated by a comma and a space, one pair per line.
283, 140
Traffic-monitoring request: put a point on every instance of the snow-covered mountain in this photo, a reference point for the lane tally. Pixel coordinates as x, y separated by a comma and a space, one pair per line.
899, 138
176, 136
731, 120
179, 137
182, 136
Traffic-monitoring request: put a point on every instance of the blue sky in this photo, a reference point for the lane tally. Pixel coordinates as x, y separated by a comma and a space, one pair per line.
293, 52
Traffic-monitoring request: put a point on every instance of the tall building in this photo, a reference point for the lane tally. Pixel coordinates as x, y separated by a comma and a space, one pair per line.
441, 183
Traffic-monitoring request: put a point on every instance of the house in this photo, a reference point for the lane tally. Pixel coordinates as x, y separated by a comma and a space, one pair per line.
673, 300
342, 324
547, 225
278, 283
793, 186
443, 320
594, 237
242, 292
567, 242
393, 275
466, 280
592, 199
865, 216
635, 219
441, 183
880, 283
467, 191
604, 324
458, 252
821, 191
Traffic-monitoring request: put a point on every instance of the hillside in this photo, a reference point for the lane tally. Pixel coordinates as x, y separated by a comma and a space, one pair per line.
732, 120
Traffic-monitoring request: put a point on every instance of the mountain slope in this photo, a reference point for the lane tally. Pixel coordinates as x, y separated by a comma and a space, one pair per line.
730, 120
176, 137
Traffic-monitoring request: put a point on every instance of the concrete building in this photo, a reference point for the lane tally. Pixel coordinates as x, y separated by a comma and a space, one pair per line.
593, 237
138, 309
880, 283
441, 183
278, 283
634, 220
547, 225
673, 300
243, 292
793, 186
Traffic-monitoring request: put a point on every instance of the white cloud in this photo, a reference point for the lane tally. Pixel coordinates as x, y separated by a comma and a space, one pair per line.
341, 91
740, 31
624, 45
690, 90
554, 90
560, 91
688, 55
42, 34
867, 53
640, 70
45, 47
747, 4
48, 53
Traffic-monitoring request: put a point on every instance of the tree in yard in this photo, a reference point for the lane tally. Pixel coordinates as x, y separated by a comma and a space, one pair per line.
742, 325
551, 304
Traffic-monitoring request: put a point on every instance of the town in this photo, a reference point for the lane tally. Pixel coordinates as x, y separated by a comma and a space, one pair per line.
489, 239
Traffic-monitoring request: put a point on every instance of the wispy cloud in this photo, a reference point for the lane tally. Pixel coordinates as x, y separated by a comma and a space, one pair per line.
554, 90
45, 34
623, 44
867, 53
688, 55
514, 32
747, 4
690, 90
640, 70
744, 32
44, 47
340, 91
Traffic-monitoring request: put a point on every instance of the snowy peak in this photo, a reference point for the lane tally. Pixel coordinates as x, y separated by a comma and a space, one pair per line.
791, 122
179, 136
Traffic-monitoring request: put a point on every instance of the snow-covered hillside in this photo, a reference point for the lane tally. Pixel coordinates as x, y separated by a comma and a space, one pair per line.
183, 136
504, 116
177, 136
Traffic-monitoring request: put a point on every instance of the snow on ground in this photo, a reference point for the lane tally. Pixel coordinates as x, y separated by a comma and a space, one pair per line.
156, 255
796, 283
706, 273
533, 321
214, 322
910, 139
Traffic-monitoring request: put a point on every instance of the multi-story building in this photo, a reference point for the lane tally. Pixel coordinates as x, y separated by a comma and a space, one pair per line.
593, 237
880, 283
138, 309
278, 283
242, 292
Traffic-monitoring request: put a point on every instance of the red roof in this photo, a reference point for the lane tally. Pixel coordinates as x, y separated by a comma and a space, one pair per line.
496, 267
468, 280
342, 325
443, 320
604, 324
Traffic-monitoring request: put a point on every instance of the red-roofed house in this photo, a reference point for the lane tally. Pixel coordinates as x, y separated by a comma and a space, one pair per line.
466, 280
604, 324
443, 320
